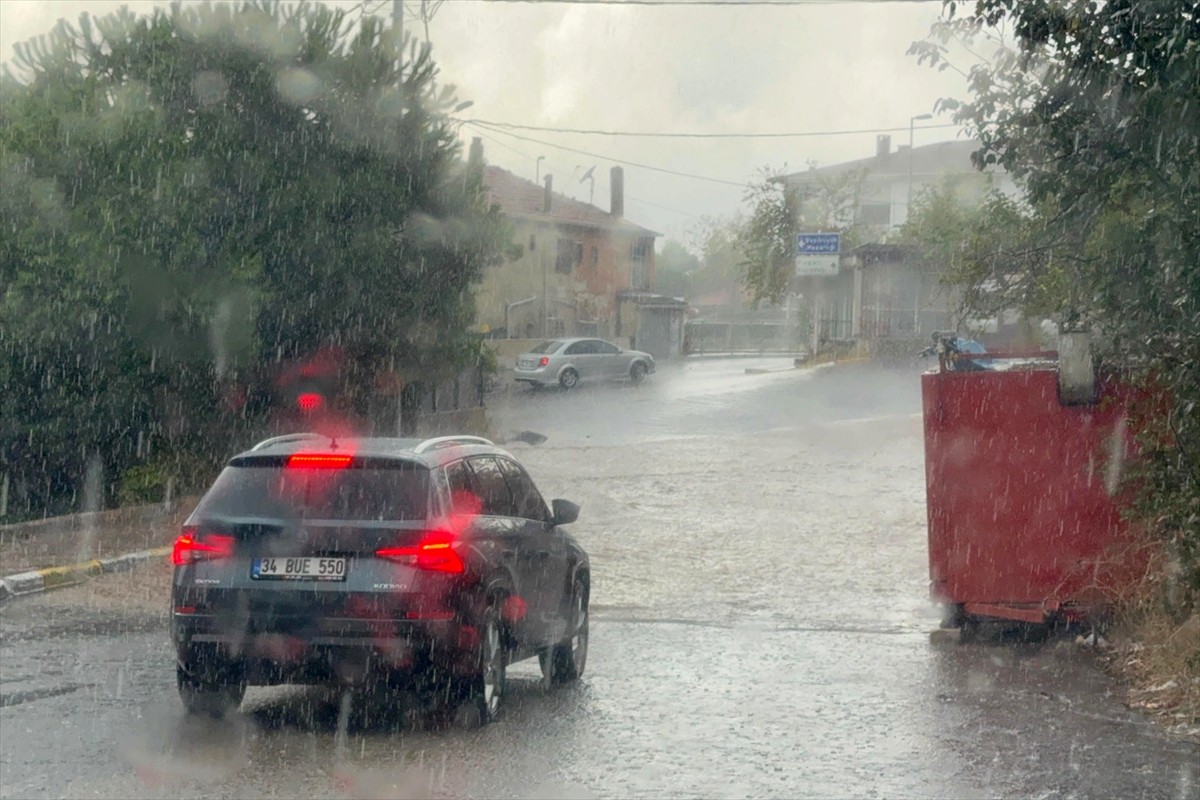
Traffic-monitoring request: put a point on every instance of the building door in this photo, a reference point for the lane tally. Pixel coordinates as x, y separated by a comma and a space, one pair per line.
654, 332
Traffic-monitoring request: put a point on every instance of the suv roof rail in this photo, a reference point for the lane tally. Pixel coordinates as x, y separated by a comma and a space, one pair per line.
445, 441
287, 437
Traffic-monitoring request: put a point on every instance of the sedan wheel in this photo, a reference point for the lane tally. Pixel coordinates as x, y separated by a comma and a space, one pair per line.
568, 379
637, 373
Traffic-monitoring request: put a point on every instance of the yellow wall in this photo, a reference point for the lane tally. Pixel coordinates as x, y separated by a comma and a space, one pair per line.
587, 294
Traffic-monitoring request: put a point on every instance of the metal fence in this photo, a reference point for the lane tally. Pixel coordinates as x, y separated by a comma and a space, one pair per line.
742, 337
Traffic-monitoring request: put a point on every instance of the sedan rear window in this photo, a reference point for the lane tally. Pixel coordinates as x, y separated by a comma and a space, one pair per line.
545, 348
268, 489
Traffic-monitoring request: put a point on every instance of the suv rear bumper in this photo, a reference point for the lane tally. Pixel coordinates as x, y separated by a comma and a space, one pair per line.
333, 650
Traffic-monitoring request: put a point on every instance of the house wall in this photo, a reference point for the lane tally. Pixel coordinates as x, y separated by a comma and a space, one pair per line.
582, 302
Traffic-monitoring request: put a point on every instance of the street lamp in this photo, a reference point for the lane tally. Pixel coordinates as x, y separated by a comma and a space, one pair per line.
911, 127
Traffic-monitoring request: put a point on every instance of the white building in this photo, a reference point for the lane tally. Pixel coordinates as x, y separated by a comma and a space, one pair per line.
891, 179
881, 291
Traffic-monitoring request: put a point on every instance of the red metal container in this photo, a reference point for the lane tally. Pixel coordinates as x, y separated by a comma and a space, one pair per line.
1023, 520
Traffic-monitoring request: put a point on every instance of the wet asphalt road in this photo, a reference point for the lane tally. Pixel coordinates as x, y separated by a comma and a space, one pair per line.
760, 628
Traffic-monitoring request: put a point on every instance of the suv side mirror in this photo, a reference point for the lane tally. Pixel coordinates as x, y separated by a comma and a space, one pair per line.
565, 512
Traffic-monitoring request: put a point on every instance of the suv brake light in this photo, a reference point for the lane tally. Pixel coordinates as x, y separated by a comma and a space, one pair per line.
192, 546
319, 460
543, 361
435, 553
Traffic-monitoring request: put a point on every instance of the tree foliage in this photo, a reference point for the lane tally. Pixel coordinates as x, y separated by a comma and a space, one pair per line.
674, 267
1093, 108
195, 195
766, 239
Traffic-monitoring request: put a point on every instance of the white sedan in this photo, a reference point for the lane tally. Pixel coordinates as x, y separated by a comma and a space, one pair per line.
567, 362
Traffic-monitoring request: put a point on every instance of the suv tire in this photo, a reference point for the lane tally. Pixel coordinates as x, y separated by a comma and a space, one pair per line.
484, 691
564, 662
637, 373
569, 378
213, 695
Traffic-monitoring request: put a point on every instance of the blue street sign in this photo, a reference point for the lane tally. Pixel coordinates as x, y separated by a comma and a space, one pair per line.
818, 244
818, 253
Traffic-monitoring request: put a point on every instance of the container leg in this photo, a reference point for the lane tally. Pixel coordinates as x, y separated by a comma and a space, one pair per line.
952, 615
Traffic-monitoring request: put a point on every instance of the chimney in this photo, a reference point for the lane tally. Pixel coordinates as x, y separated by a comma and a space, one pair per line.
883, 145
547, 194
616, 184
475, 157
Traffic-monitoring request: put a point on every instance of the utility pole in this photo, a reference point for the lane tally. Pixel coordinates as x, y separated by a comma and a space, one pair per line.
398, 23
398, 27
402, 423
911, 127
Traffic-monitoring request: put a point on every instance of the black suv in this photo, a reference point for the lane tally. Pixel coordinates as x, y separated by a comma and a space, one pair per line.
358, 561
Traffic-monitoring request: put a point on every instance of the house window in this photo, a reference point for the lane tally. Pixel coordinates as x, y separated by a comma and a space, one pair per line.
570, 256
639, 251
875, 214
639, 257
595, 255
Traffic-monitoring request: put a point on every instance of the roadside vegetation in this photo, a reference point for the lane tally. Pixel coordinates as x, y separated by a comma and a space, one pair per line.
194, 199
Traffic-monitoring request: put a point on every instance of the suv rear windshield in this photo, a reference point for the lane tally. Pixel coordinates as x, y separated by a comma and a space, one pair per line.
265, 488
545, 348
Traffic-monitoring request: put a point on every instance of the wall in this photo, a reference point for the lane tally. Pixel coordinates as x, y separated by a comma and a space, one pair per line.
586, 296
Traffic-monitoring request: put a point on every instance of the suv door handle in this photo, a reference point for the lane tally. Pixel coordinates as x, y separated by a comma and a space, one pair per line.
508, 555
542, 554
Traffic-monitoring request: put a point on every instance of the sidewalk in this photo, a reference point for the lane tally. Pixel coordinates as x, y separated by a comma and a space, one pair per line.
77, 538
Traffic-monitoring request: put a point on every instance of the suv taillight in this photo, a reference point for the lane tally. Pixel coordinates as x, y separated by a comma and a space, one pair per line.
435, 553
543, 361
193, 546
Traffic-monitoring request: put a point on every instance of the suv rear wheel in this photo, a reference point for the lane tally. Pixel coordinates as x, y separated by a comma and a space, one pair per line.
213, 695
484, 691
565, 661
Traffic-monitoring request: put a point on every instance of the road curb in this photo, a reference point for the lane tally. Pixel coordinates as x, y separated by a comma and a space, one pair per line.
50, 578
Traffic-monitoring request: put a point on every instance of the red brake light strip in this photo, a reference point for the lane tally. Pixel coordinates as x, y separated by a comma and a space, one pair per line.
319, 460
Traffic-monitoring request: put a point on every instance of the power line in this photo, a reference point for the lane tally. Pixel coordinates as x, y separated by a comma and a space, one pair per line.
709, 3
485, 127
687, 135
664, 208
523, 154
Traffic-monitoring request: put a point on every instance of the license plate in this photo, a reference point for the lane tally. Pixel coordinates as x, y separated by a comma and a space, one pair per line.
299, 569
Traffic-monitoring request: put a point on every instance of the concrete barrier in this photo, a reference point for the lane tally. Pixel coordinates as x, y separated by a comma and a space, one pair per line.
50, 578
84, 537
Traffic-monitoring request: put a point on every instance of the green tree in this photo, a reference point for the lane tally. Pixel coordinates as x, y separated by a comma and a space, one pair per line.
766, 239
984, 252
200, 193
673, 269
1093, 109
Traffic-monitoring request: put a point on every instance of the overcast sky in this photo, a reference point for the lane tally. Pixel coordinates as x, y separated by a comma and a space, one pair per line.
807, 67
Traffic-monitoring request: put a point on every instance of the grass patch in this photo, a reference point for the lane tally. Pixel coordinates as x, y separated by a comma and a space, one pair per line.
1156, 651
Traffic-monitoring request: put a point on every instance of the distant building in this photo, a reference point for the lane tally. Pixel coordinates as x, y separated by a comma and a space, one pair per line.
892, 179
577, 270
882, 291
